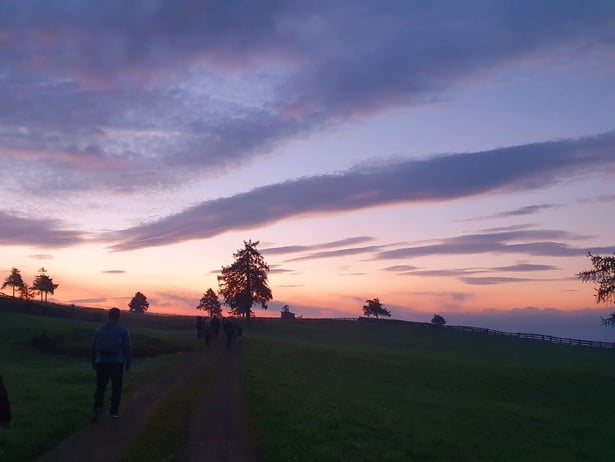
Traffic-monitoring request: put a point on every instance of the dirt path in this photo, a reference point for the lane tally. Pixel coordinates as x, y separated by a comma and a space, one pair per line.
218, 429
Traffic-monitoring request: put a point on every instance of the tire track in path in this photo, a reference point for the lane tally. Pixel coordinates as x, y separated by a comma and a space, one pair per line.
219, 430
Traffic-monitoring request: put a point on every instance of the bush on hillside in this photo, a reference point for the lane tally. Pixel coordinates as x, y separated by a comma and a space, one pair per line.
78, 345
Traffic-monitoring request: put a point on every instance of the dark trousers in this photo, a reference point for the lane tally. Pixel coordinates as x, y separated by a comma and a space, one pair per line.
104, 372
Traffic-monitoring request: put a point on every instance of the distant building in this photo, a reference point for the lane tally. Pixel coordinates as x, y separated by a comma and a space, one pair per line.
286, 313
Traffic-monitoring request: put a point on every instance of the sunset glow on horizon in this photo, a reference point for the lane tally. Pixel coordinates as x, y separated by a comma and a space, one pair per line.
446, 157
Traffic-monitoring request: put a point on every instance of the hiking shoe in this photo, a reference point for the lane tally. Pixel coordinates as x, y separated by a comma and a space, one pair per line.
97, 412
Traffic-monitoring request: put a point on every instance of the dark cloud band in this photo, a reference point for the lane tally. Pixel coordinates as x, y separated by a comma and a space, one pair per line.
438, 179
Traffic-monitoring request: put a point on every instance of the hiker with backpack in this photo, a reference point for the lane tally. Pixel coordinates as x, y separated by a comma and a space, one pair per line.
229, 330
200, 326
215, 326
111, 354
207, 334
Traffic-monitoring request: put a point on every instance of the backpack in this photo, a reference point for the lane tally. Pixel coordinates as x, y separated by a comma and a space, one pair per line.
108, 341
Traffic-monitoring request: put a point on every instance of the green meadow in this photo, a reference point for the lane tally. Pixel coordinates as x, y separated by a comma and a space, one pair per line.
387, 391
335, 390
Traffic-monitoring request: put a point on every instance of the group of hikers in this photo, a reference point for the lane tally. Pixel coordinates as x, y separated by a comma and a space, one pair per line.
111, 353
210, 328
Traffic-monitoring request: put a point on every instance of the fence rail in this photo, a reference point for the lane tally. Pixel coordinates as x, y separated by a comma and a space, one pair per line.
538, 337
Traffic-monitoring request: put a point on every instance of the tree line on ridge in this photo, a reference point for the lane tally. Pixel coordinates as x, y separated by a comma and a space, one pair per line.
244, 283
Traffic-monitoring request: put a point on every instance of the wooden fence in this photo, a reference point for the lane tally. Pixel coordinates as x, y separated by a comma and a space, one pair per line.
538, 337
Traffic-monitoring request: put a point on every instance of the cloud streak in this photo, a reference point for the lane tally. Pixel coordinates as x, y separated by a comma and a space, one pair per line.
485, 281
521, 211
415, 271
526, 242
324, 245
439, 178
47, 233
472, 276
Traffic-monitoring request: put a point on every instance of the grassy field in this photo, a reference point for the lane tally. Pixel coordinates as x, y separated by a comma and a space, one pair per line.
333, 390
46, 368
361, 391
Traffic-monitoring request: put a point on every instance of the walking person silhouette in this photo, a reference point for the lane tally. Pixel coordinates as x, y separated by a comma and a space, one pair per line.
5, 406
111, 354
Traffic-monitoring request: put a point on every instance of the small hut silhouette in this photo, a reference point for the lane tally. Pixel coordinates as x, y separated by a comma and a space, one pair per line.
286, 313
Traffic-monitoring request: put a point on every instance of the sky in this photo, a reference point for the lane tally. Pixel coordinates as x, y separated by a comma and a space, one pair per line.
446, 157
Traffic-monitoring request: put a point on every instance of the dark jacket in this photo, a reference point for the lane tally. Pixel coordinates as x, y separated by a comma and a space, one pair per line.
124, 353
5, 405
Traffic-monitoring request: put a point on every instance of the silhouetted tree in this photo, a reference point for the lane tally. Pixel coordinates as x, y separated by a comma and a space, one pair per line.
139, 303
245, 283
210, 303
603, 274
44, 285
438, 320
26, 292
14, 280
375, 308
